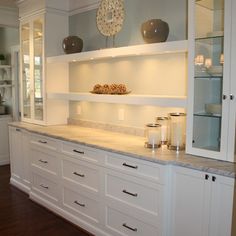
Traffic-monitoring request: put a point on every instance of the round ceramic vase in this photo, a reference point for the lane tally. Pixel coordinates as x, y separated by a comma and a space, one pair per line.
155, 31
72, 44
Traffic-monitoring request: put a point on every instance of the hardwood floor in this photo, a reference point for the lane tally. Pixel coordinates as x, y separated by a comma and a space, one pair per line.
19, 216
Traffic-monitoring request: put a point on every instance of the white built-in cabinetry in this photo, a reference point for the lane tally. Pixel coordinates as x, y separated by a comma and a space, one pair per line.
212, 87
20, 158
112, 194
202, 203
4, 145
41, 34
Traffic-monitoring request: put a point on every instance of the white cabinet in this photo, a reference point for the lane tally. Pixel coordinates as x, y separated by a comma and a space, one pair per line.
4, 140
135, 196
202, 203
212, 87
41, 35
20, 158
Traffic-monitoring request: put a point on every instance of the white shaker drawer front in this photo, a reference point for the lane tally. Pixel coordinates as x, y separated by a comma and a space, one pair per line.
123, 225
45, 186
81, 204
141, 168
134, 194
44, 142
81, 152
81, 173
45, 161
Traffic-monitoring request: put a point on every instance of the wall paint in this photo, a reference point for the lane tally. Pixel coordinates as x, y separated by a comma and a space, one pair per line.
136, 12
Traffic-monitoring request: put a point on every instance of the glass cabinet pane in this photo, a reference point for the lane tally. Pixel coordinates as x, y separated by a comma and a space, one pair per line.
38, 73
208, 73
26, 90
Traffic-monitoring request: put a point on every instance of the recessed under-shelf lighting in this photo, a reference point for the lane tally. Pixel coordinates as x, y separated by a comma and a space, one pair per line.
91, 58
74, 60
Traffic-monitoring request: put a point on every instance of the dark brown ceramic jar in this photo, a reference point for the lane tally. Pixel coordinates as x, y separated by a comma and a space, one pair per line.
155, 31
72, 44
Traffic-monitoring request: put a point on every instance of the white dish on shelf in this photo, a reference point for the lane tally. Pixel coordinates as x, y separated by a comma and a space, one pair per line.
213, 108
215, 70
215, 34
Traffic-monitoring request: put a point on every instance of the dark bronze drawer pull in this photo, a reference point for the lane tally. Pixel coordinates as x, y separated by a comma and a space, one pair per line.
43, 186
42, 161
132, 194
41, 141
19, 130
78, 151
80, 204
130, 228
80, 175
130, 166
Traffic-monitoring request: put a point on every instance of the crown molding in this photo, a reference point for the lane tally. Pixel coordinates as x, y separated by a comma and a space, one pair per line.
77, 7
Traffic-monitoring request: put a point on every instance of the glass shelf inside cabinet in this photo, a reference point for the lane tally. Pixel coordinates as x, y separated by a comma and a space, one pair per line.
210, 115
212, 38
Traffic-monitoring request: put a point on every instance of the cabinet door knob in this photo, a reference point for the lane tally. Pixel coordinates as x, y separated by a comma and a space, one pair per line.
19, 130
224, 97
213, 178
206, 176
231, 96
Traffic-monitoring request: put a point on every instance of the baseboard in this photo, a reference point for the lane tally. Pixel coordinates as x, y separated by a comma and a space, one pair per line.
19, 185
5, 161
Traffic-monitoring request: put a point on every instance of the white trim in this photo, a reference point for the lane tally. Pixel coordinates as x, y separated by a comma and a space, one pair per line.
5, 162
85, 8
137, 50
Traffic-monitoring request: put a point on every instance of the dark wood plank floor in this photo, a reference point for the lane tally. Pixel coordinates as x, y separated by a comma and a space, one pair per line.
19, 216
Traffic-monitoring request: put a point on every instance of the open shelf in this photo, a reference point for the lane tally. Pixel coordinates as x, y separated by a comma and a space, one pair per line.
5, 66
138, 50
5, 85
132, 99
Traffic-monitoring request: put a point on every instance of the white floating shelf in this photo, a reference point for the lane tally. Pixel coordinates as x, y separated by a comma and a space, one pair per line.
132, 99
5, 85
5, 66
138, 50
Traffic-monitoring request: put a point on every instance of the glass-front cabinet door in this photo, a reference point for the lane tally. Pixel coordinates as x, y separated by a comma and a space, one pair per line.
26, 83
209, 77
32, 70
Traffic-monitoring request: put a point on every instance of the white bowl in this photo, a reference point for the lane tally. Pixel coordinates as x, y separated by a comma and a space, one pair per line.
215, 70
213, 108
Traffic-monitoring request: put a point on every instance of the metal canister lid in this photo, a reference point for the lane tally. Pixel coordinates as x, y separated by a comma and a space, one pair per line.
162, 118
154, 125
177, 114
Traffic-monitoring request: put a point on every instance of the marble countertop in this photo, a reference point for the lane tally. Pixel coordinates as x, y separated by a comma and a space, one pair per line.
129, 145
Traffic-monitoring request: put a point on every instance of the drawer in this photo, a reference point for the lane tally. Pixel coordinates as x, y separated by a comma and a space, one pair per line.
81, 173
45, 161
140, 168
81, 152
121, 224
45, 186
44, 142
80, 204
135, 194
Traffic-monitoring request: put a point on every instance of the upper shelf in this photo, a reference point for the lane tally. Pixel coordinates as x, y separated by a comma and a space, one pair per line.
5, 66
131, 99
138, 50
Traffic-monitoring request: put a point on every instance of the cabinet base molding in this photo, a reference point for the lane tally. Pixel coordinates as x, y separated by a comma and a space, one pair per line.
5, 161
19, 185
66, 215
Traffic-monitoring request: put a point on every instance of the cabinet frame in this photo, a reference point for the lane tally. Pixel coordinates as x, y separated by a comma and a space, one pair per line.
224, 152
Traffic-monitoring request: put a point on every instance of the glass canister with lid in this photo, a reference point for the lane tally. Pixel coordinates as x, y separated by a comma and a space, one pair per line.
177, 131
163, 121
153, 135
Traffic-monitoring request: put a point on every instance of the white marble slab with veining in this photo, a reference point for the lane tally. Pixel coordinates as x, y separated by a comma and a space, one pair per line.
129, 145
